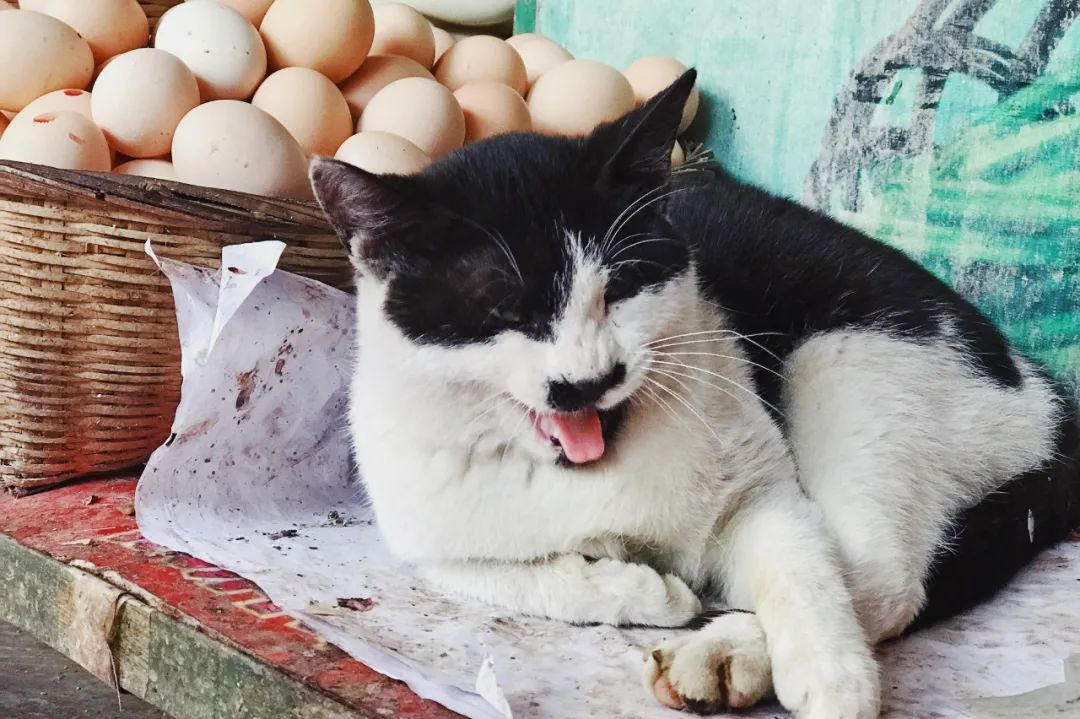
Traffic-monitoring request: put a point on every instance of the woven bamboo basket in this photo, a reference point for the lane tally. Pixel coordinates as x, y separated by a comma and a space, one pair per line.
89, 356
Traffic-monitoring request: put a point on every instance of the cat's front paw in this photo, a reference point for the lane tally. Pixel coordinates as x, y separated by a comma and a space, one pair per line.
721, 667
842, 684
638, 594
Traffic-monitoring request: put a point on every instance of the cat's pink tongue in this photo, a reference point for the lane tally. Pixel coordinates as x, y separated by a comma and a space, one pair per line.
579, 433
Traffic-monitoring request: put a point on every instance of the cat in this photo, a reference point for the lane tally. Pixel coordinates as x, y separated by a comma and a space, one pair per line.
591, 389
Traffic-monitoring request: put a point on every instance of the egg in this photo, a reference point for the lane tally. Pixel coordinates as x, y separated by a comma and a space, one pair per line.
650, 75
139, 99
3, 119
539, 55
310, 107
331, 36
479, 58
252, 10
678, 157
233, 145
490, 109
574, 97
382, 153
66, 140
110, 27
218, 45
443, 41
39, 54
420, 110
400, 30
376, 73
70, 100
157, 168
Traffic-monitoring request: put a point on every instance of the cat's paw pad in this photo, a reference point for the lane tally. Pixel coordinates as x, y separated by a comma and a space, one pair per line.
841, 686
723, 666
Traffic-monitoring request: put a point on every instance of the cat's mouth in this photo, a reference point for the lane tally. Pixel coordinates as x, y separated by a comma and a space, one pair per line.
581, 436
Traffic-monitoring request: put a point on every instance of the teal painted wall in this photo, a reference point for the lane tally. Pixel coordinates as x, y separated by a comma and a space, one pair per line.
945, 127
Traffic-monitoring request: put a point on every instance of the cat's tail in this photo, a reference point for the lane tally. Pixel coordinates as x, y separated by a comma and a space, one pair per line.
997, 537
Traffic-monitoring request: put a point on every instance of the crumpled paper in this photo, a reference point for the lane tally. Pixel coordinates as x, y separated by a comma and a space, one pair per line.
257, 478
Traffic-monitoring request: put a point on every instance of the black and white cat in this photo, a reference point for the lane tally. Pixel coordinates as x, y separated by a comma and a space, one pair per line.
592, 390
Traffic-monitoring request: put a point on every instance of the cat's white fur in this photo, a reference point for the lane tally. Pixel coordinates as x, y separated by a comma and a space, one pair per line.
888, 439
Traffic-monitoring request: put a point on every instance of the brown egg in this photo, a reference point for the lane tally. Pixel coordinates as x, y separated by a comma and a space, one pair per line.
234, 145
39, 54
310, 107
218, 45
678, 157
157, 168
420, 110
539, 54
139, 99
649, 75
400, 30
492, 108
382, 153
574, 97
111, 27
252, 10
443, 41
331, 36
58, 139
3, 118
376, 73
482, 58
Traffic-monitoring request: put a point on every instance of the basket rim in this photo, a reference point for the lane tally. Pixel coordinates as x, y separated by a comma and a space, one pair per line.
165, 200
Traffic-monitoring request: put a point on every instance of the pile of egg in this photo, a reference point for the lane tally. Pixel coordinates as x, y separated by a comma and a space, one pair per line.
380, 88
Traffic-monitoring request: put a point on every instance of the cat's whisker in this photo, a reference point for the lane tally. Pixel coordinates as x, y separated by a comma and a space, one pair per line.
714, 332
721, 377
688, 406
663, 404
720, 356
613, 228
501, 243
642, 206
623, 249
727, 335
672, 374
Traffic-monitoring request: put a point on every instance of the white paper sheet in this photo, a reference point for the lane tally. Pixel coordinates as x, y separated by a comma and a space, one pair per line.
256, 479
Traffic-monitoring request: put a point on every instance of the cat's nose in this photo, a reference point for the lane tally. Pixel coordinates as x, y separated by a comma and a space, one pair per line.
566, 396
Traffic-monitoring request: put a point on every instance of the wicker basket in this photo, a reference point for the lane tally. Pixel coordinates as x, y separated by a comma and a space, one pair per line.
89, 357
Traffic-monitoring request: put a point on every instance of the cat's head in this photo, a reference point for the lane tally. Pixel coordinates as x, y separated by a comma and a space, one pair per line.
538, 268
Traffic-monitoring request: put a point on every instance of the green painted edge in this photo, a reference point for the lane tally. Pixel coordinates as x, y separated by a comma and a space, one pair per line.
172, 666
525, 16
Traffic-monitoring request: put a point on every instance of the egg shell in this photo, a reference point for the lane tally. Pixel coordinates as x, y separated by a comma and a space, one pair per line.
310, 107
382, 153
139, 99
400, 30
39, 54
650, 75
110, 27
233, 145
574, 97
69, 100
66, 140
540, 55
490, 109
443, 41
331, 36
482, 58
156, 168
678, 156
222, 49
252, 10
420, 110
376, 73
3, 119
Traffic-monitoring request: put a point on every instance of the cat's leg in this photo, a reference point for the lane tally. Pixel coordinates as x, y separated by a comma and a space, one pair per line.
777, 559
572, 588
892, 439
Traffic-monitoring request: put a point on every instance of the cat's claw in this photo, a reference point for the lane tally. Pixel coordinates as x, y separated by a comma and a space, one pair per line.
724, 666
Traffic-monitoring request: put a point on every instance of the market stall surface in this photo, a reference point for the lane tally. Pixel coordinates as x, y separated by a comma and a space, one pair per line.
189, 638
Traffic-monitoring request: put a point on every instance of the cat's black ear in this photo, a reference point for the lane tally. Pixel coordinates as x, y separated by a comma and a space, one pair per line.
377, 217
639, 145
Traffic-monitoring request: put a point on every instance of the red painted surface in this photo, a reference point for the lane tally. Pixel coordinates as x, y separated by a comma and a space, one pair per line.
94, 521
